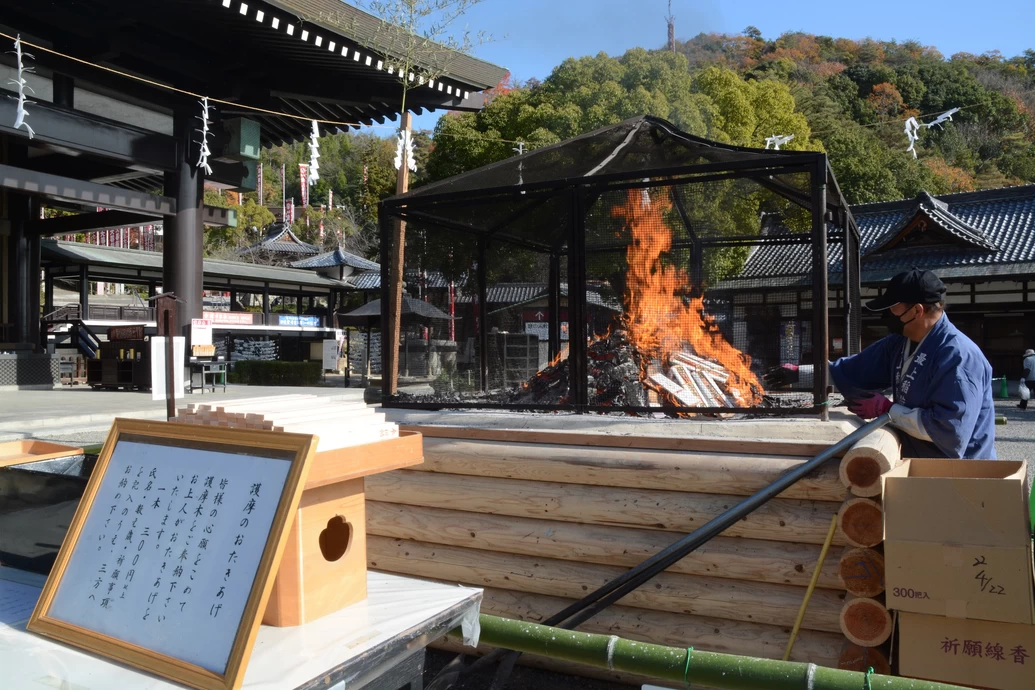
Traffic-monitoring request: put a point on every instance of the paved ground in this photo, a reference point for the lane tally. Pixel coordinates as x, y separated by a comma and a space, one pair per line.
82, 415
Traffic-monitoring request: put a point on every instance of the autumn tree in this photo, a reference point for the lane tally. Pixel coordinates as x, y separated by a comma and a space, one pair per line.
885, 100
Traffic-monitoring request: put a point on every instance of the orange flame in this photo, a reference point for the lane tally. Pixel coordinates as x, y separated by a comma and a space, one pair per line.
659, 321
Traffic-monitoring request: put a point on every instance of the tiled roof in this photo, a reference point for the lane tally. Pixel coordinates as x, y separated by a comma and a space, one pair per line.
996, 229
338, 257
281, 240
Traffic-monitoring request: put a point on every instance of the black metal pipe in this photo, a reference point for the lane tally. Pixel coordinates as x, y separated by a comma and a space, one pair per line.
483, 312
820, 291
554, 305
577, 319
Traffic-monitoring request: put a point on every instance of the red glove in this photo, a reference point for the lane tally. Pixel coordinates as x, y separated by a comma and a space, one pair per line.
870, 405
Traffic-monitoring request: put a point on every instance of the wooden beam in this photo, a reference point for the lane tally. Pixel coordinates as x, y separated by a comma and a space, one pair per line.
79, 131
706, 472
730, 600
89, 193
751, 560
87, 222
802, 522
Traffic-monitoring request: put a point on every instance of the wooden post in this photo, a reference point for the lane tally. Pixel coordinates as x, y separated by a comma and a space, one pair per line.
862, 571
395, 283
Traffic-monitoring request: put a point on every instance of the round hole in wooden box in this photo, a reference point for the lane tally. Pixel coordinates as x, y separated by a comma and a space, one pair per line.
336, 538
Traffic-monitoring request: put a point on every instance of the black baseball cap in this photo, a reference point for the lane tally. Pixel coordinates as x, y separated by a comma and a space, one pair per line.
912, 287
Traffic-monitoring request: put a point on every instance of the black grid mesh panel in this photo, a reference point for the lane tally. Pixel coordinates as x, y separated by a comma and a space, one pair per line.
632, 269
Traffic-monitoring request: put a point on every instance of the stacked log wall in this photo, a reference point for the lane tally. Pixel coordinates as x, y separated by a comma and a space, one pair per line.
539, 524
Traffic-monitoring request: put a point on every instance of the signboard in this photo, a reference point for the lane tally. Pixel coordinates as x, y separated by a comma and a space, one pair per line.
158, 367
200, 332
126, 333
542, 329
169, 560
301, 321
230, 318
330, 355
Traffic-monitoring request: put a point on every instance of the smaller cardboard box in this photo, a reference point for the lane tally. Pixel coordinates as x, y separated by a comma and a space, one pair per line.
956, 540
967, 652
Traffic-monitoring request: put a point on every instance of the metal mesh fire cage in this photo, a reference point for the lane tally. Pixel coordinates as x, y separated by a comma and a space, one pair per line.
633, 269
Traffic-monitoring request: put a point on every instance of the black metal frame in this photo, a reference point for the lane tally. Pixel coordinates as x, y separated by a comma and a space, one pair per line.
824, 200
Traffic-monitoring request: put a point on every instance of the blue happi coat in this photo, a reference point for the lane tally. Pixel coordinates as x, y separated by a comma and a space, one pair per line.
949, 380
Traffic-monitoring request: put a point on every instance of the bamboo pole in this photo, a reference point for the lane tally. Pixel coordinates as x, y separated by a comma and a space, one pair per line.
701, 596
735, 558
678, 629
723, 671
740, 474
454, 646
862, 466
778, 520
811, 588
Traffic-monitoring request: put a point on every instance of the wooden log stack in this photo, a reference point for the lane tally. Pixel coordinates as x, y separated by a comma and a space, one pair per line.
865, 620
539, 519
338, 424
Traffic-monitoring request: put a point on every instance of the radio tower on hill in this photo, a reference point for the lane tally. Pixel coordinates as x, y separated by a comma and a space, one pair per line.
671, 21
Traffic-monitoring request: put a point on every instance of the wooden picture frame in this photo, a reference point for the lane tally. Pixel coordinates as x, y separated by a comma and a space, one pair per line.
59, 602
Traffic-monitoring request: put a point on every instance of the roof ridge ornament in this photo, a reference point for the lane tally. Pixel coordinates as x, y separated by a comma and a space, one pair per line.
23, 86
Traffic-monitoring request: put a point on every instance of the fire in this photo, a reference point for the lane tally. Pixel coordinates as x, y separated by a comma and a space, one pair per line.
660, 322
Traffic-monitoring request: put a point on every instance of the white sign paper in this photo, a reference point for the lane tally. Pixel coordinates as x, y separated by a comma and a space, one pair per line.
330, 354
200, 332
171, 549
158, 367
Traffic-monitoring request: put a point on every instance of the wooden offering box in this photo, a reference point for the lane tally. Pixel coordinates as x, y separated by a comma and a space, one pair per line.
324, 567
21, 452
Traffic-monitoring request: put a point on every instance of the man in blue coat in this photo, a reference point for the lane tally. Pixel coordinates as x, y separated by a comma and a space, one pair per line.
940, 382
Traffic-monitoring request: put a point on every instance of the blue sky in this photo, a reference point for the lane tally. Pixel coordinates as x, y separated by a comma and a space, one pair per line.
534, 36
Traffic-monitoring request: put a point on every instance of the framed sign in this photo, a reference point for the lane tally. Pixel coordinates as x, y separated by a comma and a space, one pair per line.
171, 556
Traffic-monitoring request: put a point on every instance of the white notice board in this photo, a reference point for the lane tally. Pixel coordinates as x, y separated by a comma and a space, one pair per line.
330, 355
178, 534
158, 367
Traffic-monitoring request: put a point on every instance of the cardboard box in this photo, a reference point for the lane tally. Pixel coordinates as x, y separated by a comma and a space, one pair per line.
956, 540
967, 652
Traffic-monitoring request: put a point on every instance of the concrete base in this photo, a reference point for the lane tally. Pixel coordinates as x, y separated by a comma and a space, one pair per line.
29, 371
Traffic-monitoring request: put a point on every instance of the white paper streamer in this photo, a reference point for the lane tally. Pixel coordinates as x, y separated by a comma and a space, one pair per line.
404, 150
777, 140
913, 127
23, 86
946, 116
205, 152
314, 154
912, 130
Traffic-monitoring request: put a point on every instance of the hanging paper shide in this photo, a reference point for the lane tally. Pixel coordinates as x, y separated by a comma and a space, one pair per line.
23, 86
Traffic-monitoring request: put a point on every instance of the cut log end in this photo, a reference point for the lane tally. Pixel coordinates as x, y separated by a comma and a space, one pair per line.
862, 475
866, 622
867, 460
862, 522
862, 572
854, 657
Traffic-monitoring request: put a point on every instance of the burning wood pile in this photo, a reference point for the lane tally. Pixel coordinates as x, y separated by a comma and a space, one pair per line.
668, 351
615, 366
